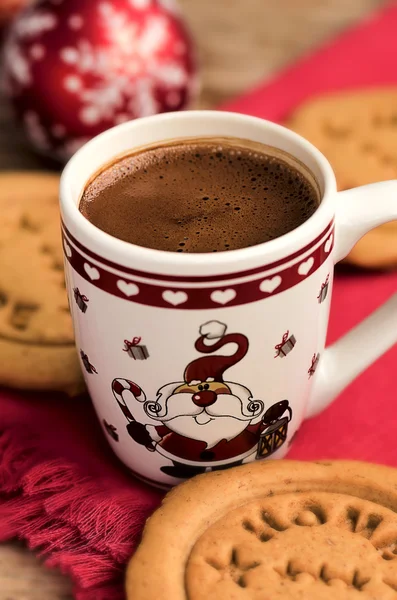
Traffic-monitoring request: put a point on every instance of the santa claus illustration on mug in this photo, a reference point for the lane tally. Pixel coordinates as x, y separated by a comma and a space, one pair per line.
205, 422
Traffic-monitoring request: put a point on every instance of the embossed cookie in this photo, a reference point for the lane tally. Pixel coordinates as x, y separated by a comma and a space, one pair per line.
357, 132
36, 338
273, 530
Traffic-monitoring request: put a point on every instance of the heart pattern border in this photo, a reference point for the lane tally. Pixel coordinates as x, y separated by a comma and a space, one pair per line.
150, 290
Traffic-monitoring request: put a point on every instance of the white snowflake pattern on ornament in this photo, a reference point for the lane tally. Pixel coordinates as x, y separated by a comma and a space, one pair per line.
37, 51
141, 4
35, 131
70, 56
73, 83
18, 65
131, 67
35, 24
76, 22
153, 37
143, 103
29, 27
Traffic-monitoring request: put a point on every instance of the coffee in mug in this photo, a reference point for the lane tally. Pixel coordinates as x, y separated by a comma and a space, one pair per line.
201, 195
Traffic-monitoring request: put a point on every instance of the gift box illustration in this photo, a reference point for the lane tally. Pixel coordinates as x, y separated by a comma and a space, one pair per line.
111, 430
285, 346
87, 365
323, 291
314, 365
81, 300
275, 435
135, 349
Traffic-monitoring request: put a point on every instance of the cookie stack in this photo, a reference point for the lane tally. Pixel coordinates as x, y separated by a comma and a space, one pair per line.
37, 348
357, 132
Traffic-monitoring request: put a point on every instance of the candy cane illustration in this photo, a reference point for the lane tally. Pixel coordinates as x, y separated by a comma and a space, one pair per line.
121, 385
135, 429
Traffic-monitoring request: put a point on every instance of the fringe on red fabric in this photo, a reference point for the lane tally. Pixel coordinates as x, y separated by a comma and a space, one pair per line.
87, 528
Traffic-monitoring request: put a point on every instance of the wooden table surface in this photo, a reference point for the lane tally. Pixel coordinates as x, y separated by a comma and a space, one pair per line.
241, 43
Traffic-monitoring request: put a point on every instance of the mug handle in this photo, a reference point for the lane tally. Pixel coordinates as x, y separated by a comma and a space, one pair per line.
357, 211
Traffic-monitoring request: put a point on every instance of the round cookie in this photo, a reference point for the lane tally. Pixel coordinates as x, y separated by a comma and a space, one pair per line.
37, 348
357, 132
273, 530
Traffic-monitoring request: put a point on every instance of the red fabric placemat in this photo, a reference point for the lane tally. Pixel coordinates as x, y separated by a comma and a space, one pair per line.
63, 492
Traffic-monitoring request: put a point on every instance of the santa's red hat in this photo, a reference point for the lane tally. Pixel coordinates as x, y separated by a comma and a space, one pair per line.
212, 368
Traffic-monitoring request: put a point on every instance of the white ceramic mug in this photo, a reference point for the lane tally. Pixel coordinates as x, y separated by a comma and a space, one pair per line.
197, 362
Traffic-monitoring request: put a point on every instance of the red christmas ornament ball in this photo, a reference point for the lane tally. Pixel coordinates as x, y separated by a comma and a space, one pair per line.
74, 68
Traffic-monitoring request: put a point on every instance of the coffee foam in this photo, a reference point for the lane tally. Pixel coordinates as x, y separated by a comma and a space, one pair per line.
201, 195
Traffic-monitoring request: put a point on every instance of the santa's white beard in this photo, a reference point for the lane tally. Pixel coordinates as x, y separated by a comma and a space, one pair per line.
225, 419
213, 431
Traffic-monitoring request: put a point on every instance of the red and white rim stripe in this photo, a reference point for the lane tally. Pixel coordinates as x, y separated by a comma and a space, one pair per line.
198, 292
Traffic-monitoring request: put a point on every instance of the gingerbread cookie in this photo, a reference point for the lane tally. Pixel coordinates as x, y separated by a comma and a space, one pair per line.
37, 348
357, 132
273, 530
